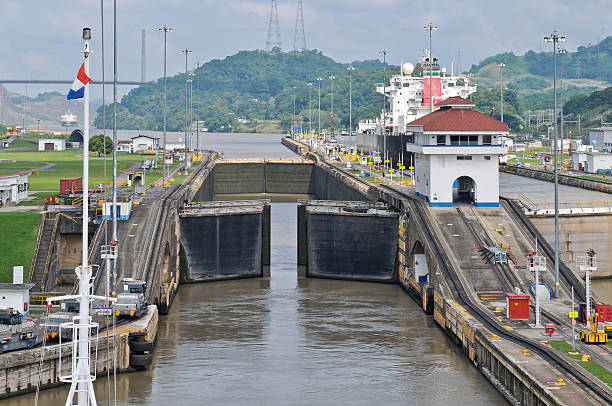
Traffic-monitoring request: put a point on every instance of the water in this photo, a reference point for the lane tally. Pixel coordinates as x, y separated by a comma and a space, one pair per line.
295, 341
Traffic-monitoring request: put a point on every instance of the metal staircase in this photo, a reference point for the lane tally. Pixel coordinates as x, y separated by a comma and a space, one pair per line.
44, 246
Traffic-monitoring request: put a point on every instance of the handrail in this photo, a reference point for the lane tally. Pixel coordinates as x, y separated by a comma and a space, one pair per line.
46, 268
35, 257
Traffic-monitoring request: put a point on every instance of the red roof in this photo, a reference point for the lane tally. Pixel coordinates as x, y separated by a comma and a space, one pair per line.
459, 120
455, 101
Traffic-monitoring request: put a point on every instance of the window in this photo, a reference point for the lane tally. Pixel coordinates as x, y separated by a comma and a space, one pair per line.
464, 140
486, 140
487, 158
464, 157
441, 139
473, 140
454, 139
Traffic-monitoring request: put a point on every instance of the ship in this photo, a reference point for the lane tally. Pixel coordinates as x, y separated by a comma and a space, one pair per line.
409, 99
69, 120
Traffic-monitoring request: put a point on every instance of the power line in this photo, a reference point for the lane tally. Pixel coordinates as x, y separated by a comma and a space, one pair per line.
299, 40
274, 38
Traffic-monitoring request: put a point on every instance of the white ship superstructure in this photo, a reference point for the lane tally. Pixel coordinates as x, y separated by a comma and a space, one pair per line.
408, 96
69, 120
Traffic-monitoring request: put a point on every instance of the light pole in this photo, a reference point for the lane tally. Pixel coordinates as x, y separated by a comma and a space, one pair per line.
309, 108
293, 120
190, 81
430, 27
350, 70
319, 79
555, 38
331, 113
197, 117
165, 30
384, 53
501, 67
186, 52
561, 51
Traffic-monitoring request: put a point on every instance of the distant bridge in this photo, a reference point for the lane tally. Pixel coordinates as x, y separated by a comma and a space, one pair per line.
66, 82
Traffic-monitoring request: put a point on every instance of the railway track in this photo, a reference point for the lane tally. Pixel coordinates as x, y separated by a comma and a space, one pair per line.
462, 296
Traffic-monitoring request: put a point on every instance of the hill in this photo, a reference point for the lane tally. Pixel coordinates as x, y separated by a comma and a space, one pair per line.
593, 108
253, 91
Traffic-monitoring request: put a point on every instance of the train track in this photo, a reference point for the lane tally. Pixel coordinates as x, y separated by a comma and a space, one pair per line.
464, 299
569, 277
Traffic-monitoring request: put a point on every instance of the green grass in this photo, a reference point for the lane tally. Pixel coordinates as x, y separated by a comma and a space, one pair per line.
597, 370
69, 164
564, 347
19, 232
591, 366
38, 200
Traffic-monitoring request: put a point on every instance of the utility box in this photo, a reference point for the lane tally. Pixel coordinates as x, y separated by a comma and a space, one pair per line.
605, 312
517, 306
70, 185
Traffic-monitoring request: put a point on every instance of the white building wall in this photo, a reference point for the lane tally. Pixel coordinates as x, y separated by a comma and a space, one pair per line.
445, 169
15, 299
58, 144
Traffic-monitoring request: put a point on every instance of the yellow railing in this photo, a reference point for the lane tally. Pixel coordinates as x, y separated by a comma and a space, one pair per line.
35, 258
43, 282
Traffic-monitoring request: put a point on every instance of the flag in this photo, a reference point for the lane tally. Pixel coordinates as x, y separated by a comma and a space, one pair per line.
77, 91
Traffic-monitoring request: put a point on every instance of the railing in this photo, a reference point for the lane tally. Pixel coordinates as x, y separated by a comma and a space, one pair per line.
90, 252
43, 282
35, 257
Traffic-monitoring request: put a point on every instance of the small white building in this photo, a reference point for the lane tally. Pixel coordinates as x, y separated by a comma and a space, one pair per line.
601, 138
123, 146
13, 188
51, 144
15, 296
592, 161
143, 143
456, 155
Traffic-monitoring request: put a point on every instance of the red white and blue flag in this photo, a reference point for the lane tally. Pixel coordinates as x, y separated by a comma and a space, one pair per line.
77, 91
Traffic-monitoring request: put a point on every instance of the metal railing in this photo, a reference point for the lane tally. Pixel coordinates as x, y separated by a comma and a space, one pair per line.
35, 257
43, 282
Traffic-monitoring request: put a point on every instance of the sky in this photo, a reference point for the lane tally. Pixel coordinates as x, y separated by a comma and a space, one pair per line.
42, 38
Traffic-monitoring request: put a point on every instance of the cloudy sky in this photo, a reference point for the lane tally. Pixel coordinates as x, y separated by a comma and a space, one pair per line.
41, 38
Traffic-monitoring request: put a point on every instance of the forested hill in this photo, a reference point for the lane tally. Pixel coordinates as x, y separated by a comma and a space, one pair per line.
588, 62
253, 91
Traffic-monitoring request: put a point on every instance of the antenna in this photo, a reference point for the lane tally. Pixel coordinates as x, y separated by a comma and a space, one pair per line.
274, 39
299, 41
143, 57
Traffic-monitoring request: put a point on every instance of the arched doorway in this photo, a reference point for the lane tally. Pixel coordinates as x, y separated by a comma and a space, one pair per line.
464, 190
419, 263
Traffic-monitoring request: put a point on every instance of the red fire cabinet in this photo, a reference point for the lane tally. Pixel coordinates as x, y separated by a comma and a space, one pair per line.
517, 306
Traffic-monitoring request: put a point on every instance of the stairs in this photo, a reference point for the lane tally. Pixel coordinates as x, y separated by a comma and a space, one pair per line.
44, 245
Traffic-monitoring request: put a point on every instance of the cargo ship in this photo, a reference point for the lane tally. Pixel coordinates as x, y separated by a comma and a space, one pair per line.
408, 100
69, 120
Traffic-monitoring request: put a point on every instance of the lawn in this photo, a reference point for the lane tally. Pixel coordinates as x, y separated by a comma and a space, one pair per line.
591, 366
68, 164
19, 232
38, 200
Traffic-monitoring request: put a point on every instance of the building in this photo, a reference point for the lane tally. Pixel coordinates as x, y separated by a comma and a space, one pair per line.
52, 144
15, 296
592, 161
123, 146
601, 138
456, 153
143, 143
6, 142
13, 188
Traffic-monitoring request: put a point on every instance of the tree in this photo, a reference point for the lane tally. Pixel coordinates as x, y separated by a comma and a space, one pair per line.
96, 144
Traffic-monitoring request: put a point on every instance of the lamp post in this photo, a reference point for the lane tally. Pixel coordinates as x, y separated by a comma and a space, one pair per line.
309, 108
384, 53
430, 27
350, 70
555, 38
186, 52
331, 114
561, 51
190, 81
319, 79
501, 67
293, 119
165, 30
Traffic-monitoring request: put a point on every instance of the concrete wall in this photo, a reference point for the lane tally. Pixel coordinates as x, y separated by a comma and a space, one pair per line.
563, 179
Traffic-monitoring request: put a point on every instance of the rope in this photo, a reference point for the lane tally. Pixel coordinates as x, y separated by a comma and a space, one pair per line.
42, 356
